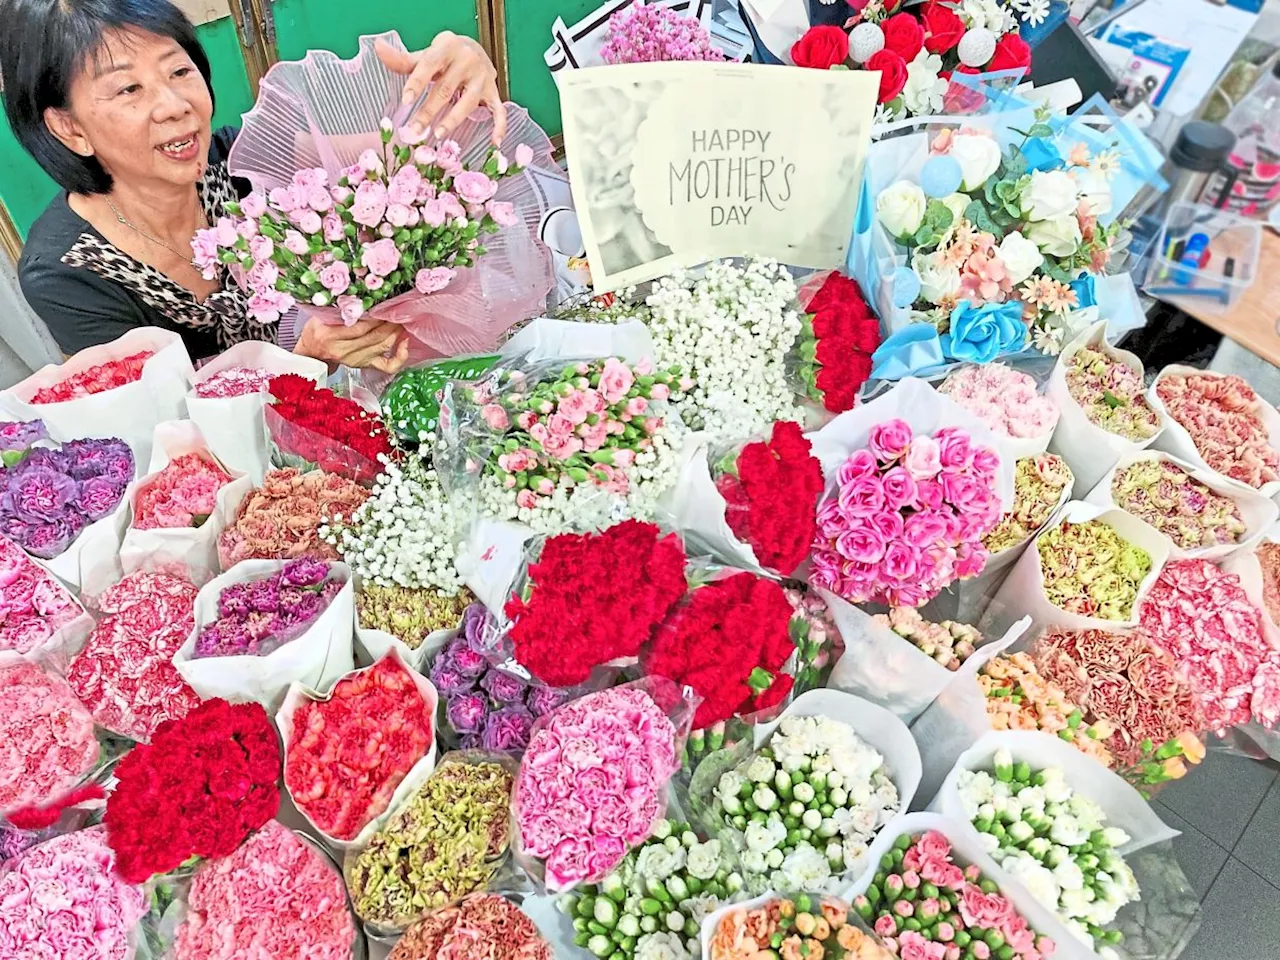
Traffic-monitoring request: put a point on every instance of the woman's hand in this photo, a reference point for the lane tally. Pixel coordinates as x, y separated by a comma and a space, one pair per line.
366, 343
456, 66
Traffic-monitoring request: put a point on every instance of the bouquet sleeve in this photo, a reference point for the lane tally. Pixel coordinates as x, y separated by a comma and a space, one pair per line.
195, 547
1257, 511
294, 445
1166, 916
129, 412
958, 716
298, 694
233, 425
1090, 450
317, 658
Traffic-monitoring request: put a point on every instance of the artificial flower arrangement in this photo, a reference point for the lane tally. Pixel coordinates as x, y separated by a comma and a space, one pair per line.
562, 445
1006, 401
1001, 248
282, 519
565, 619
37, 613
593, 782
949, 643
907, 516
916, 50
840, 333
411, 402
125, 673
800, 926
402, 220
485, 706
172, 802
479, 921
807, 802
48, 733
1220, 421
1126, 682
98, 378
17, 437
312, 427
688, 877
449, 840
241, 903
922, 897
51, 496
1203, 618
1041, 484
86, 909
347, 754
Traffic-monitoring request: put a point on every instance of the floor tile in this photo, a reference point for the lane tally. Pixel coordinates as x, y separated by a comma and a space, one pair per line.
1240, 920
1219, 796
1258, 847
1199, 857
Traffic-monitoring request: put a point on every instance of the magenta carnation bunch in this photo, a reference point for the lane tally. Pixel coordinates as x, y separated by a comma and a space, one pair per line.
907, 517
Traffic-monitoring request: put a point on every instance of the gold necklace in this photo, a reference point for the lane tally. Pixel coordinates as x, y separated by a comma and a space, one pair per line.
126, 222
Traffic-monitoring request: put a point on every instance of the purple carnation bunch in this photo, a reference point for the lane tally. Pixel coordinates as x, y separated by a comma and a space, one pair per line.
485, 706
17, 436
647, 33
258, 617
49, 496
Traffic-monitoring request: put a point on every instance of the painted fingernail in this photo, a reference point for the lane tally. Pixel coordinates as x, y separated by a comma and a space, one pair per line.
415, 129
408, 95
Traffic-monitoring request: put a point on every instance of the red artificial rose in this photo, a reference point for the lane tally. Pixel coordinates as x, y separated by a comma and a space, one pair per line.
943, 27
821, 48
893, 73
903, 35
1012, 53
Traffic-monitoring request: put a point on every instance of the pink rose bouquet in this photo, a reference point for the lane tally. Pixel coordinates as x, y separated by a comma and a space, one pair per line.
64, 899
1181, 507
1004, 399
1225, 421
907, 518
182, 494
1038, 486
276, 896
125, 674
35, 608
593, 780
1203, 618
47, 736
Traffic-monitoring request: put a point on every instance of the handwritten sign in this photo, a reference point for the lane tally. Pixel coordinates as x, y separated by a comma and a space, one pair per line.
674, 164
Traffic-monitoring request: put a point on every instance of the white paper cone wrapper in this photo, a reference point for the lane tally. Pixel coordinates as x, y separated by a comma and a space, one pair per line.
695, 509
98, 543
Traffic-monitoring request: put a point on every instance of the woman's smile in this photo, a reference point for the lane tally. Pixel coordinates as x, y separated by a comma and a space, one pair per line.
182, 149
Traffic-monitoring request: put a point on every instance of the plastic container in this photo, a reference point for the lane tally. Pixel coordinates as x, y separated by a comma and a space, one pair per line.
1204, 258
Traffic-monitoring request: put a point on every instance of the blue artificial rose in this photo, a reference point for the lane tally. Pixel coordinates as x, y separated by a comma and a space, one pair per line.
980, 334
1086, 291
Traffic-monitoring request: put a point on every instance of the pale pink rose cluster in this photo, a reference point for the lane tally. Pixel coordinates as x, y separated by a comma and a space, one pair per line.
1223, 417
592, 783
33, 604
908, 517
47, 742
63, 900
1004, 399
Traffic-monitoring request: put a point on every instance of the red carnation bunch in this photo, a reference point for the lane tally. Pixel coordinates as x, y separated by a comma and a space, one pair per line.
841, 333
203, 784
772, 492
316, 426
595, 597
729, 642
96, 379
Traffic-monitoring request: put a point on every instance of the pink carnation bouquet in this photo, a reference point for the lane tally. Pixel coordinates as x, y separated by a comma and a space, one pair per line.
182, 494
907, 517
36, 610
1006, 401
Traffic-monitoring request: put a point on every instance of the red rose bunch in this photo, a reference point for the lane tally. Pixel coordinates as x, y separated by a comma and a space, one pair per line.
577, 612
729, 642
319, 427
772, 494
203, 784
347, 754
840, 335
96, 379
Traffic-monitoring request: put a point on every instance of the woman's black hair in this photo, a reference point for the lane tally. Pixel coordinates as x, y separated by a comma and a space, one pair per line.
45, 43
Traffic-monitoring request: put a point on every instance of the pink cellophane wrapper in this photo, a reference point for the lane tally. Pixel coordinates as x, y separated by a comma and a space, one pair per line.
323, 111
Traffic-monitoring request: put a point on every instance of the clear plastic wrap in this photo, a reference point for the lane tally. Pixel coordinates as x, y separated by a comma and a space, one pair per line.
410, 402
293, 445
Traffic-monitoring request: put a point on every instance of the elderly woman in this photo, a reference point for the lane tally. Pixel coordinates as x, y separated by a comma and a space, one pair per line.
112, 98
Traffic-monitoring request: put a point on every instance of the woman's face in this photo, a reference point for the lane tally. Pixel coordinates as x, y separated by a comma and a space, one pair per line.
141, 108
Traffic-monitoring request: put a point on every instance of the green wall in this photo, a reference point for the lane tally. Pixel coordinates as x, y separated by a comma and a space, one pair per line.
26, 190
528, 36
337, 25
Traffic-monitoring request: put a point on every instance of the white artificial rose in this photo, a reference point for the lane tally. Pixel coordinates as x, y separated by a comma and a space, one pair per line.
978, 156
938, 280
1058, 238
1021, 257
901, 208
1049, 195
957, 203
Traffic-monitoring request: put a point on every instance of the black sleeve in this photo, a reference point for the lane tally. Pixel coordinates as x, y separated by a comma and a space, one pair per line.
81, 308
220, 150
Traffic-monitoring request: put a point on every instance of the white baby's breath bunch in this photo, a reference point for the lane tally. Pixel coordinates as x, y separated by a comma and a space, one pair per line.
406, 534
732, 330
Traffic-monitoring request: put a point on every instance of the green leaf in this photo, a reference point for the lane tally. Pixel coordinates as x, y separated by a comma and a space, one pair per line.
976, 213
989, 189
1005, 189
938, 216
1040, 130
1016, 165
1012, 209
1111, 399
922, 236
